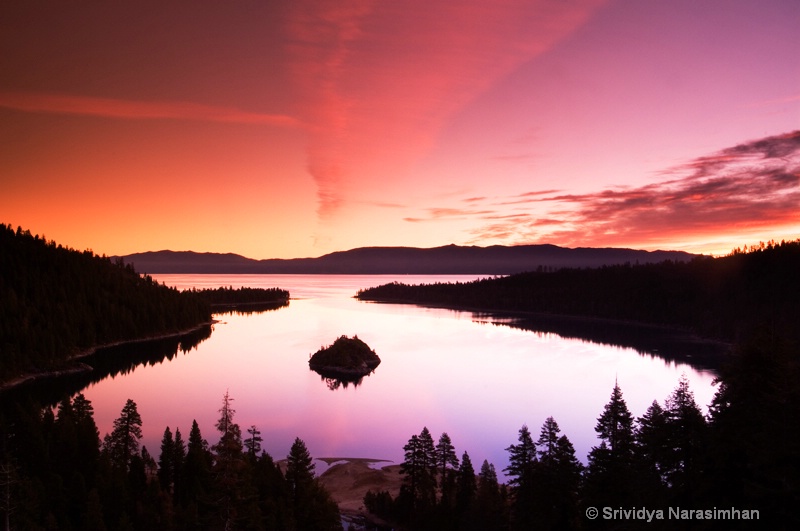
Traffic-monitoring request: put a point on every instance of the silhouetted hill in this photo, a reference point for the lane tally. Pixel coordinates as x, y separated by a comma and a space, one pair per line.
450, 259
58, 302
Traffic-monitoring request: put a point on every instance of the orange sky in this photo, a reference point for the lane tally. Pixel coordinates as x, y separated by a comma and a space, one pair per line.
289, 129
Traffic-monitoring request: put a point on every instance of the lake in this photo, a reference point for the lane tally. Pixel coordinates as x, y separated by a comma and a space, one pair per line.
473, 376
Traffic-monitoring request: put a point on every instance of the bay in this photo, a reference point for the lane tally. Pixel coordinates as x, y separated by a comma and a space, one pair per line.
477, 377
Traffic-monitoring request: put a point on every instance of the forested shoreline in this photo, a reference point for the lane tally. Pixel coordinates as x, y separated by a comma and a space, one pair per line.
724, 298
59, 302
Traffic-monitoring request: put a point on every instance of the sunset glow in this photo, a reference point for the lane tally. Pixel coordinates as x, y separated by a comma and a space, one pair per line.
294, 129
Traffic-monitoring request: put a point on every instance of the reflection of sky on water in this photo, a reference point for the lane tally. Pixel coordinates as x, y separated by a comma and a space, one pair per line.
477, 381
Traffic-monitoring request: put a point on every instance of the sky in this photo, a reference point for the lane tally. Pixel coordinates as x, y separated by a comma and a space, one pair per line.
283, 129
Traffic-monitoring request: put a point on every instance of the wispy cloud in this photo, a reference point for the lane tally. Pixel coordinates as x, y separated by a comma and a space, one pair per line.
377, 80
137, 110
751, 185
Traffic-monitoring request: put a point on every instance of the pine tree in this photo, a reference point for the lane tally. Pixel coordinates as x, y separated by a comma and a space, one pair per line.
615, 427
611, 474
553, 503
466, 486
447, 463
521, 460
228, 464
652, 440
123, 442
686, 428
521, 471
178, 462
489, 507
299, 470
87, 437
548, 441
166, 461
253, 443
312, 506
196, 475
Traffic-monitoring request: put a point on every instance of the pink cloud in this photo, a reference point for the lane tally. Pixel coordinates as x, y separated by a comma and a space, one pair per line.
752, 185
137, 110
376, 81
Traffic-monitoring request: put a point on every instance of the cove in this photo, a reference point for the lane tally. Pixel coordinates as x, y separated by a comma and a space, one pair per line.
477, 377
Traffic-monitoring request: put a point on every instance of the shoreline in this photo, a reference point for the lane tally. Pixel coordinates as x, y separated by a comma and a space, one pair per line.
75, 368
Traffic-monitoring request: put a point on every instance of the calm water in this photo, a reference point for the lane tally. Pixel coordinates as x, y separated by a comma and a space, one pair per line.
477, 380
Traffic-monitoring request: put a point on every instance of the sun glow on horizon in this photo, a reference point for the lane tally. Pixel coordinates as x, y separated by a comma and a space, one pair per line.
287, 131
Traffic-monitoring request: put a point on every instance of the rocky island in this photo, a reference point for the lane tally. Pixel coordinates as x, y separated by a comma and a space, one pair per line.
346, 359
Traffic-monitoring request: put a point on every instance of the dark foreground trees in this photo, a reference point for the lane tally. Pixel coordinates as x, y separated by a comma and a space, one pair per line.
55, 474
743, 455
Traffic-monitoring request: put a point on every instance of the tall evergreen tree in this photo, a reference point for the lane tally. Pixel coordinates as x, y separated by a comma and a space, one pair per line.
312, 506
447, 464
611, 475
466, 486
166, 461
299, 470
548, 441
686, 431
178, 461
615, 427
521, 471
556, 480
196, 477
489, 507
123, 442
87, 437
652, 439
228, 464
521, 459
419, 468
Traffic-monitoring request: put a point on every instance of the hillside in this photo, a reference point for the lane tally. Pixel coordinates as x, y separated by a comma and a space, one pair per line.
450, 259
57, 302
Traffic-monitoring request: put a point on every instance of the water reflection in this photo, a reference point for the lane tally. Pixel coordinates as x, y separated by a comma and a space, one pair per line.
104, 363
336, 382
248, 308
657, 342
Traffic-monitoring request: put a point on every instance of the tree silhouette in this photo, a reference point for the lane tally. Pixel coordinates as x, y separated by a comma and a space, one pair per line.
522, 461
123, 442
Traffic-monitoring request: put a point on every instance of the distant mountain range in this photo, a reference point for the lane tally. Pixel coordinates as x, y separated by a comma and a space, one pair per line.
450, 259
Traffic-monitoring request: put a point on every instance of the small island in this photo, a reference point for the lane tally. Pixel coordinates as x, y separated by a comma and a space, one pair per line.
347, 359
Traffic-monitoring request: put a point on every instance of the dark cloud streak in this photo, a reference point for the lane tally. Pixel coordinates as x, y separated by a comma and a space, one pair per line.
751, 185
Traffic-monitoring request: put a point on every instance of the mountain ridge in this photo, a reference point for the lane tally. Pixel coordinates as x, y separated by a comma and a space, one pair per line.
448, 259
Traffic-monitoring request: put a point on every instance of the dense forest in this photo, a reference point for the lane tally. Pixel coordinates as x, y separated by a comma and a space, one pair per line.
58, 302
671, 468
57, 474
722, 298
243, 299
